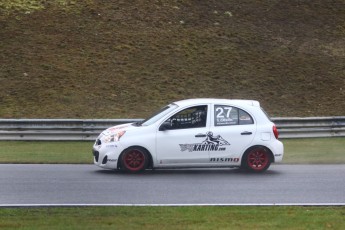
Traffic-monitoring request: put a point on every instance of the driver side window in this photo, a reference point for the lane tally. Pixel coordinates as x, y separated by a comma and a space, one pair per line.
193, 117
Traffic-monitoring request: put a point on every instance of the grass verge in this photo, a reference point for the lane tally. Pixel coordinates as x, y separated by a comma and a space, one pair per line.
314, 151
288, 217
40, 152
303, 151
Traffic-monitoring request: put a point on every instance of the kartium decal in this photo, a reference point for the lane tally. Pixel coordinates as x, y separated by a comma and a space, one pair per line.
211, 143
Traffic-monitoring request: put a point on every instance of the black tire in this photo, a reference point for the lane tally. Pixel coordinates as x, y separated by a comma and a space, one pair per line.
256, 159
134, 159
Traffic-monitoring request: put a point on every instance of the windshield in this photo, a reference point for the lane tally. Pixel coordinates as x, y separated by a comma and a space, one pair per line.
159, 114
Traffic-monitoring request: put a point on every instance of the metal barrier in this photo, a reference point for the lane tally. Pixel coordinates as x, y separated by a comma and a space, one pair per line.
296, 127
89, 129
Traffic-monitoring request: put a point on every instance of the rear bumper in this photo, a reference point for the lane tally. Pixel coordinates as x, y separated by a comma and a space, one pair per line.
278, 151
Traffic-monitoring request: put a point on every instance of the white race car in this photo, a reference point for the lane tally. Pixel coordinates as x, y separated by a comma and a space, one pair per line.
193, 133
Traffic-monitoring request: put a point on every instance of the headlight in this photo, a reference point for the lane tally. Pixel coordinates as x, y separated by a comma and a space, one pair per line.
114, 137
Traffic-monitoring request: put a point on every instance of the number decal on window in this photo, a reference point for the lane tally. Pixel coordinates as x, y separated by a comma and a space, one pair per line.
225, 115
220, 112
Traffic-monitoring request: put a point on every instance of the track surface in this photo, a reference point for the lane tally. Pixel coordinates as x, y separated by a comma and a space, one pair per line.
87, 184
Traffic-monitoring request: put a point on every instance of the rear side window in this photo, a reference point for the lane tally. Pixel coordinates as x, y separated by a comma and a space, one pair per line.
225, 115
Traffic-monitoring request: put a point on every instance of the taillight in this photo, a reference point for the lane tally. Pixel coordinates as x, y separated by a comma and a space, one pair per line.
275, 131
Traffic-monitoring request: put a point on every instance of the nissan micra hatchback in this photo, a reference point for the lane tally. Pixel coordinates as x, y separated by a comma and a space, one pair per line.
193, 133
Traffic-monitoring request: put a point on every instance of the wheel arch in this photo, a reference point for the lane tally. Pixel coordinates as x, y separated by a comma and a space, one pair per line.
150, 160
257, 146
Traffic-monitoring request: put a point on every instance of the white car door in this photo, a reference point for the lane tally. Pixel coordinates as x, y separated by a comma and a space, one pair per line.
181, 142
234, 130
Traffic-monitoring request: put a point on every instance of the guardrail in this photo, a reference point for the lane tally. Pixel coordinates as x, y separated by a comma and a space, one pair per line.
307, 127
89, 129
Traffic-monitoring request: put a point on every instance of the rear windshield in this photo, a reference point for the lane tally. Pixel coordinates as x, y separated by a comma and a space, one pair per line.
268, 117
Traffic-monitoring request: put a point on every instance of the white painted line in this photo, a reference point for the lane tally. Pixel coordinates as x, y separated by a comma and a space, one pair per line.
168, 205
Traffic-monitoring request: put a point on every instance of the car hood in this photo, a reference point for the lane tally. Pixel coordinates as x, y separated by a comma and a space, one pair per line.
113, 134
118, 128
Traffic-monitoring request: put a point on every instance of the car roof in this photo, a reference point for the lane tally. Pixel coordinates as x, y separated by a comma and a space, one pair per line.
238, 102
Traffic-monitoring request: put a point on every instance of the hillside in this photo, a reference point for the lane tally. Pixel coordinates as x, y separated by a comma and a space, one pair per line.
123, 59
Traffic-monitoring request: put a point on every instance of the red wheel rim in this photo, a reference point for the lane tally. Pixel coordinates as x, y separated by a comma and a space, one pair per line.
134, 160
258, 159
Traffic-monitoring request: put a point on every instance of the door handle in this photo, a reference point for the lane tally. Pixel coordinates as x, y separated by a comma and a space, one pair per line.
246, 133
200, 135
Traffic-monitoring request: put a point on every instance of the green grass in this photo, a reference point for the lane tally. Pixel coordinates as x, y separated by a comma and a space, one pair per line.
297, 151
45, 152
174, 218
315, 151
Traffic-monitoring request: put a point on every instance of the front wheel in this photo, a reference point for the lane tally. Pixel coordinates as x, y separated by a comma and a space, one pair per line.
134, 159
256, 159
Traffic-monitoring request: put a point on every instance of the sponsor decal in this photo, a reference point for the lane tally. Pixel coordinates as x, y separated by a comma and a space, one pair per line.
111, 146
117, 128
211, 143
114, 130
227, 159
112, 160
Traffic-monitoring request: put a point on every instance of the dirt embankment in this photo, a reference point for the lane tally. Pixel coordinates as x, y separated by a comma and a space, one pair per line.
123, 59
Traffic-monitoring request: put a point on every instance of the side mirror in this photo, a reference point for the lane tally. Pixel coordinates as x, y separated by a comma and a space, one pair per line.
165, 126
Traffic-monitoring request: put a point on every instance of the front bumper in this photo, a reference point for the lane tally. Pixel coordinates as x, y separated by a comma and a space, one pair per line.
105, 155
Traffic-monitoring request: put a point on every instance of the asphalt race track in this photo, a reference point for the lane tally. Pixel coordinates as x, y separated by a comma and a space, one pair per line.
26, 184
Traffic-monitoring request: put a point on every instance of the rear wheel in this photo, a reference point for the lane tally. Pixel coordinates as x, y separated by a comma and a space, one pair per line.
134, 159
256, 159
